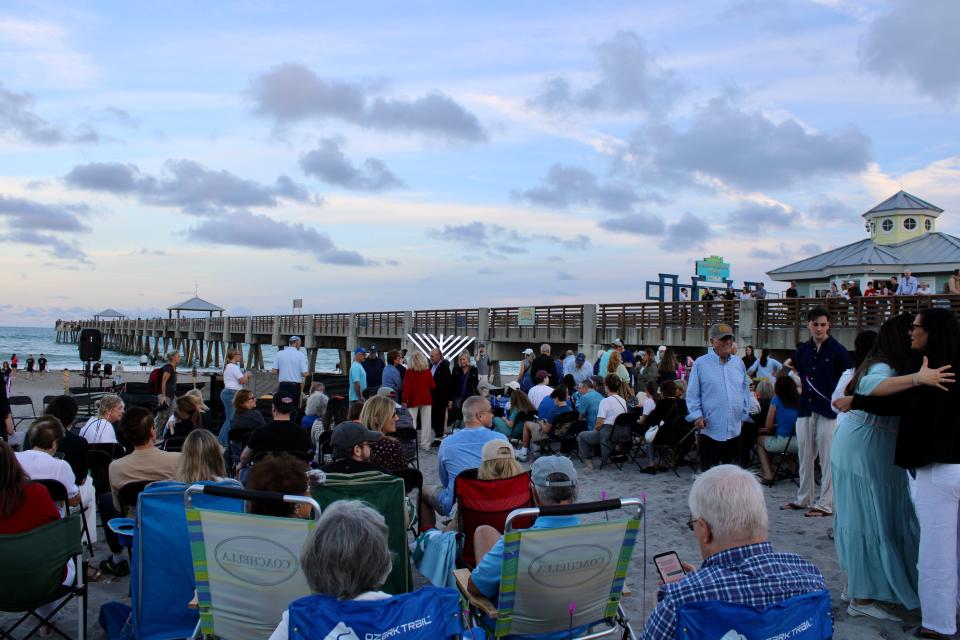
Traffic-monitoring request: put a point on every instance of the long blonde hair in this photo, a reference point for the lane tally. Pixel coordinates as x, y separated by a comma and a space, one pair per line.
498, 469
376, 411
201, 458
418, 362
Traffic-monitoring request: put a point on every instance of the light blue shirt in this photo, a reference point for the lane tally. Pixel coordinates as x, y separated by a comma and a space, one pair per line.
719, 392
291, 364
458, 452
581, 374
907, 286
768, 372
391, 378
589, 406
357, 374
604, 359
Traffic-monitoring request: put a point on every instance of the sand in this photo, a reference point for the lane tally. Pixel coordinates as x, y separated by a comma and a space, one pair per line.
666, 530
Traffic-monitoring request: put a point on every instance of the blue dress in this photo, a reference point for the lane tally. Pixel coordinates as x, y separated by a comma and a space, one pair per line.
875, 525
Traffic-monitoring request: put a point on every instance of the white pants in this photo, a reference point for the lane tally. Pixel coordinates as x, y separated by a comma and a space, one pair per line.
938, 501
815, 437
426, 428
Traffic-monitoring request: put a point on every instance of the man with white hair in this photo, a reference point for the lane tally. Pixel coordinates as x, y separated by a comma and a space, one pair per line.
543, 362
728, 517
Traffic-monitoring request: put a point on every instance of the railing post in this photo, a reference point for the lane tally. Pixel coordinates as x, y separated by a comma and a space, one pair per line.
483, 324
407, 330
748, 321
309, 340
347, 357
588, 333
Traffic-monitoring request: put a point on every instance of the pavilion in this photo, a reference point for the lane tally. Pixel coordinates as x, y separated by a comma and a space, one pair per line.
903, 235
195, 304
109, 314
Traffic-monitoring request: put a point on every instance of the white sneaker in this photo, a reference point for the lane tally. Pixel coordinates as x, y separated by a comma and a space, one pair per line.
844, 597
872, 610
521, 455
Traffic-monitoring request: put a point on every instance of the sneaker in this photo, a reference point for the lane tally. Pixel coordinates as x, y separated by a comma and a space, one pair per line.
118, 569
844, 597
872, 610
435, 444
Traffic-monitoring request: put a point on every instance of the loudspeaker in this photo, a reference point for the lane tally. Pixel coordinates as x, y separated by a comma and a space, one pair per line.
91, 343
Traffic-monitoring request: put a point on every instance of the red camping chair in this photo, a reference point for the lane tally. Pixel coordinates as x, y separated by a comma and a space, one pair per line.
488, 502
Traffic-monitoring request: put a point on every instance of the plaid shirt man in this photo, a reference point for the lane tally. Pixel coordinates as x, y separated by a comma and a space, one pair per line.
753, 575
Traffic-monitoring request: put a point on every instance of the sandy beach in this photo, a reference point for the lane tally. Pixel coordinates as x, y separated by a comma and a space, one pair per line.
665, 527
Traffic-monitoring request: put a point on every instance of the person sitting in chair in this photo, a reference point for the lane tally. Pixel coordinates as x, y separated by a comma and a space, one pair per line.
554, 482
280, 435
352, 445
729, 520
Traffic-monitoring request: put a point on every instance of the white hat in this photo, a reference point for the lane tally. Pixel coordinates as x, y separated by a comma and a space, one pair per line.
661, 348
528, 351
513, 384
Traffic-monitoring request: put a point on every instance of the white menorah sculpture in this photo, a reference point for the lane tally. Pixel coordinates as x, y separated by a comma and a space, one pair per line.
449, 346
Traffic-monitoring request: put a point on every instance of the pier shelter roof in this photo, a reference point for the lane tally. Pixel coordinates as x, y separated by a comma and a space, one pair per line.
109, 313
195, 304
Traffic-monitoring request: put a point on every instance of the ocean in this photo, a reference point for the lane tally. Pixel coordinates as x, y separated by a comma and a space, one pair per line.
36, 340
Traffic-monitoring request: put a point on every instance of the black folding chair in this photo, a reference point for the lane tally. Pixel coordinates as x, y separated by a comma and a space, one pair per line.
325, 448
621, 439
563, 435
58, 493
174, 443
21, 401
411, 449
129, 494
781, 470
236, 441
47, 399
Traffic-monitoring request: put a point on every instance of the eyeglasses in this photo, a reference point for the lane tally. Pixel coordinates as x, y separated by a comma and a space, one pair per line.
693, 521
914, 327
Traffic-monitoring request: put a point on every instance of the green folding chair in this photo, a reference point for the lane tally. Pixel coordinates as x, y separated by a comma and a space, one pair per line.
561, 580
385, 493
32, 573
246, 566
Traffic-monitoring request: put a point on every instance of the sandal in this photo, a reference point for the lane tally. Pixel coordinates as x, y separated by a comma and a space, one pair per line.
814, 512
766, 483
927, 633
792, 506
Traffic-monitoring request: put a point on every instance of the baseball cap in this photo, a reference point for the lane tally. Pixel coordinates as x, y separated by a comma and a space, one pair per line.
347, 435
721, 330
496, 450
527, 351
294, 339
283, 401
661, 348
546, 466
359, 350
581, 358
386, 391
372, 347
513, 384
542, 375
617, 342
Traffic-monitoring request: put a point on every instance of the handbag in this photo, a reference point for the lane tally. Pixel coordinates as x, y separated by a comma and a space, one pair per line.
651, 433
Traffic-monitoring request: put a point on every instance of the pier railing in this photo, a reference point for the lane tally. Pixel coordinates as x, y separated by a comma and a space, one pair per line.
780, 323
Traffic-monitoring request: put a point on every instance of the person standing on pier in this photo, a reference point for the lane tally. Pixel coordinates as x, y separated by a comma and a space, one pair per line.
374, 366
819, 362
718, 399
291, 367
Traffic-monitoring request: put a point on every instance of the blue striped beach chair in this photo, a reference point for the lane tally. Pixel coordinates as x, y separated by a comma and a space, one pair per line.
247, 566
561, 582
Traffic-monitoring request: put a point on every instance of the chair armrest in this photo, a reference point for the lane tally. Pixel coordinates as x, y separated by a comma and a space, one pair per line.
462, 576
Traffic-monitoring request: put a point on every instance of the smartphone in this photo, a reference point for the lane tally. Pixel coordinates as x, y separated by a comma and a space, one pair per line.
668, 564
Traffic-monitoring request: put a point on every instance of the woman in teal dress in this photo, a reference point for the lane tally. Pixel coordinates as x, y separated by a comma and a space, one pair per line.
876, 531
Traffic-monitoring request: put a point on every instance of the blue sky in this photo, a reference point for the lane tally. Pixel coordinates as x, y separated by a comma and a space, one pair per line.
428, 155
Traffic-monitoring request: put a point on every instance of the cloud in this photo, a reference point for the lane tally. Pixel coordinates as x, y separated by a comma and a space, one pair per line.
748, 150
120, 116
811, 248
328, 163
825, 207
781, 253
292, 93
496, 238
564, 276
186, 184
30, 216
55, 246
755, 218
19, 121
629, 79
917, 43
255, 231
690, 231
565, 186
639, 223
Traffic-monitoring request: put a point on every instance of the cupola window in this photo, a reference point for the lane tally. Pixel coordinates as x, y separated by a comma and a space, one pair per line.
910, 224
887, 225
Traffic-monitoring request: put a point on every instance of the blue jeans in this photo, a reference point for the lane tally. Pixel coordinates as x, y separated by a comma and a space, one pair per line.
226, 397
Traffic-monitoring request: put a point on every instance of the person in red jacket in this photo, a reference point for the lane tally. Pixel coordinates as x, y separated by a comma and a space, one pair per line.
418, 396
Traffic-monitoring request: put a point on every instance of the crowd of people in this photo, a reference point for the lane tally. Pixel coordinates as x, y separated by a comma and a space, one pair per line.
874, 431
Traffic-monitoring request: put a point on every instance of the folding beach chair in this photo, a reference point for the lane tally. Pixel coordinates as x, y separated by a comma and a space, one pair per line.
247, 567
622, 439
803, 617
385, 493
32, 574
429, 613
566, 580
21, 401
781, 470
487, 502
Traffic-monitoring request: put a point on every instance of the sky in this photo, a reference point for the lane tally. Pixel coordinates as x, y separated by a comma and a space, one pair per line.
387, 156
